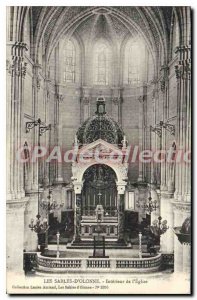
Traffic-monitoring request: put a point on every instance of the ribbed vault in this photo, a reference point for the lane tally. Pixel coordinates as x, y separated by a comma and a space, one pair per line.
114, 23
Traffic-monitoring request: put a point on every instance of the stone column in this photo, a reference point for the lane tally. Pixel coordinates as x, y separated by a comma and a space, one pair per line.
120, 208
31, 210
86, 107
16, 71
120, 218
35, 132
15, 235
77, 211
117, 104
164, 93
117, 109
16, 75
183, 75
58, 133
85, 103
166, 211
155, 138
141, 135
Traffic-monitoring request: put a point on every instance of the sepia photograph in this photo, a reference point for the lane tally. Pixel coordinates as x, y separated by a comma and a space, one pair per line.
98, 146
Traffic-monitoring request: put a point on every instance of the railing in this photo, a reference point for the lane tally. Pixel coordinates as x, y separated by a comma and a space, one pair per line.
49, 264
98, 263
58, 263
143, 263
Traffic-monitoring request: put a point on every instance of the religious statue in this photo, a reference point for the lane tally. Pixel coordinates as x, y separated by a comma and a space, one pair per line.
76, 142
95, 177
124, 142
100, 173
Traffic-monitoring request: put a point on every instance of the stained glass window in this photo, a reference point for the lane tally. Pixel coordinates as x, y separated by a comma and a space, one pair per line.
102, 65
133, 65
69, 62
134, 62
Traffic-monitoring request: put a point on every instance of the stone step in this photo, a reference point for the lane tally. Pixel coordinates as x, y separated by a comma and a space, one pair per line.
90, 245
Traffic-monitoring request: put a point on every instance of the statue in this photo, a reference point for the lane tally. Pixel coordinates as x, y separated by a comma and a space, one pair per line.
100, 173
76, 142
124, 142
95, 177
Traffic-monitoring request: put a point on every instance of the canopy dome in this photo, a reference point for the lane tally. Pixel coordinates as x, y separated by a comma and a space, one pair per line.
100, 126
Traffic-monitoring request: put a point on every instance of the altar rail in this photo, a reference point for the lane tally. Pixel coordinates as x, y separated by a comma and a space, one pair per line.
61, 265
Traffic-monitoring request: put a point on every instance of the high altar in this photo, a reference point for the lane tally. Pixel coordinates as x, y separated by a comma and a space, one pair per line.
99, 177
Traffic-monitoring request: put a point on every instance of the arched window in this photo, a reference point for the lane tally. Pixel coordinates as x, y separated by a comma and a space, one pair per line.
133, 65
102, 65
69, 62
134, 62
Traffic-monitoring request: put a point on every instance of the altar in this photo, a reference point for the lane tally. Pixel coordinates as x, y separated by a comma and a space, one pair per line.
99, 203
108, 225
99, 182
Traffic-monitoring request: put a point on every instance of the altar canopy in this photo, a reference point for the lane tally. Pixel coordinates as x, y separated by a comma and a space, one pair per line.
99, 186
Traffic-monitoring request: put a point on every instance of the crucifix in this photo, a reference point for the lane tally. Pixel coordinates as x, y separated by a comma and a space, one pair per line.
99, 195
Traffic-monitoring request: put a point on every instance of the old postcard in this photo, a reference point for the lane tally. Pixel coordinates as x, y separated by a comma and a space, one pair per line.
98, 150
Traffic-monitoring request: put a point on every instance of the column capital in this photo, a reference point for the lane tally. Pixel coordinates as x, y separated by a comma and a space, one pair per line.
18, 49
183, 51
183, 69
18, 67
141, 99
154, 81
16, 204
121, 187
60, 98
182, 206
117, 100
78, 187
85, 99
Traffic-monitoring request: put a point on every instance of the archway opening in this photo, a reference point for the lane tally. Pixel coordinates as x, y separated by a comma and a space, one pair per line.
99, 189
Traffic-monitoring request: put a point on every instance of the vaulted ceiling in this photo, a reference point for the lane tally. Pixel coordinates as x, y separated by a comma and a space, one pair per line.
50, 24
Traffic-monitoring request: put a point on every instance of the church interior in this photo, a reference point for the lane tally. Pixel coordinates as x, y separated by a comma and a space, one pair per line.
91, 82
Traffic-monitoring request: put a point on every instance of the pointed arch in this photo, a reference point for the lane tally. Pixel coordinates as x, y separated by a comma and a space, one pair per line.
134, 65
101, 62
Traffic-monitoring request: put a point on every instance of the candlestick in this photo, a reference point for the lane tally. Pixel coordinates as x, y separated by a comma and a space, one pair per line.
140, 245
58, 240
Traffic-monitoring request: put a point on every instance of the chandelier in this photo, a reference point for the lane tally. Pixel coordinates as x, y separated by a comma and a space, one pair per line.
150, 205
39, 226
49, 204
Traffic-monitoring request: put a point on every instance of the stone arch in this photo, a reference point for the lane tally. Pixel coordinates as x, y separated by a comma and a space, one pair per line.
78, 171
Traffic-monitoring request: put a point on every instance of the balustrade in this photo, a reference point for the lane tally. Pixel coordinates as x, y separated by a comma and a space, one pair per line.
111, 264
